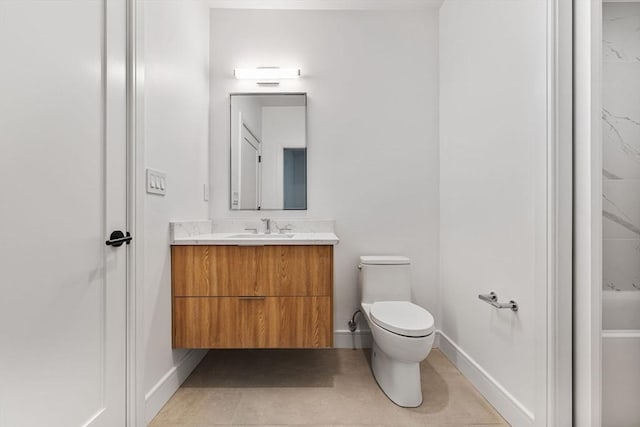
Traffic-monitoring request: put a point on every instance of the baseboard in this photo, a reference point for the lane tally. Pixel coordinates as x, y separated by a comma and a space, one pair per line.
508, 406
160, 393
436, 340
347, 339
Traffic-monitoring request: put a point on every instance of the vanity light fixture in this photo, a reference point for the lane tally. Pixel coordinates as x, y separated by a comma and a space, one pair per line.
266, 75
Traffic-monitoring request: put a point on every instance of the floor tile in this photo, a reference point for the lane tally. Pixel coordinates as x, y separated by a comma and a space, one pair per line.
317, 388
199, 406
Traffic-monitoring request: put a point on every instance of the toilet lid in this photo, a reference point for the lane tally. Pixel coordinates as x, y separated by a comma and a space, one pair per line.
402, 318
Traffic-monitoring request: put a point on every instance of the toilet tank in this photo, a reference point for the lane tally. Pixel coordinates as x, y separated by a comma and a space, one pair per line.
384, 278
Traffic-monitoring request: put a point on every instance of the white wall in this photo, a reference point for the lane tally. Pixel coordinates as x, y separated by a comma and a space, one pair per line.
492, 190
176, 129
372, 82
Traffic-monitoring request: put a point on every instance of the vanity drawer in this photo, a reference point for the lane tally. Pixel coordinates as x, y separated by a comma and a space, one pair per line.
279, 270
214, 270
295, 270
244, 322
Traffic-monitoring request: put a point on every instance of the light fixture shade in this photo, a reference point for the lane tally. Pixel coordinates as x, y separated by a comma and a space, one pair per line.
266, 73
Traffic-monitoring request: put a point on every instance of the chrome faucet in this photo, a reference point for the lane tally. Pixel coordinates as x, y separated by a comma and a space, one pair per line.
267, 225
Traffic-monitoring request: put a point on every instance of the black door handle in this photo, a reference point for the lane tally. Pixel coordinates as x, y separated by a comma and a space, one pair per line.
117, 238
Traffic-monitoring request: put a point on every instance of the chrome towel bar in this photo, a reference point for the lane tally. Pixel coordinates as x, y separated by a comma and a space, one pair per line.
492, 298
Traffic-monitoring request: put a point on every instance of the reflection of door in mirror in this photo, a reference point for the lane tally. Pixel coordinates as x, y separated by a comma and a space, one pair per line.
249, 185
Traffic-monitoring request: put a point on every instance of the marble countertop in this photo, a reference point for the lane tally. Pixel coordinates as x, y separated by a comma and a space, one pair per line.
272, 239
233, 232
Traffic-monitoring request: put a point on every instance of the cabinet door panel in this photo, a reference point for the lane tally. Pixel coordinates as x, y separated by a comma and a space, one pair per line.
272, 322
214, 270
296, 270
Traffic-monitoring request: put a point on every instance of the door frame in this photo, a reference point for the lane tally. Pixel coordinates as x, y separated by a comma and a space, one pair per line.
564, 21
587, 300
559, 331
135, 402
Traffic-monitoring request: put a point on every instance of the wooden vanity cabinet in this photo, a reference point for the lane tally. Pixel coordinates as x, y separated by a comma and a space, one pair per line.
252, 296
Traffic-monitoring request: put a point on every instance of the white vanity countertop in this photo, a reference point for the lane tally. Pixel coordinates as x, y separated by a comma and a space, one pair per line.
272, 239
233, 232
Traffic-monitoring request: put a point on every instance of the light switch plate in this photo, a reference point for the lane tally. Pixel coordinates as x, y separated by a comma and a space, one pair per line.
156, 182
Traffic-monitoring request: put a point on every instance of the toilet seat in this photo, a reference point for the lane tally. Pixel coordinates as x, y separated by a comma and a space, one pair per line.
402, 318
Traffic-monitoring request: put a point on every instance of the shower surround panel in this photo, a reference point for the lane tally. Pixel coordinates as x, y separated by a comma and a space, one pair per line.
621, 214
621, 146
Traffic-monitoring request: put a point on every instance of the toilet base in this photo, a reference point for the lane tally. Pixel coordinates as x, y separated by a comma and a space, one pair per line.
400, 381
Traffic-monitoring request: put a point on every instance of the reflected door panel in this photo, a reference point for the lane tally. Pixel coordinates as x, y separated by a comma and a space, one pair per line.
249, 170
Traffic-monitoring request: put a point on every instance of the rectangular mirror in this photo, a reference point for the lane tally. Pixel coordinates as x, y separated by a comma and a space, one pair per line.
269, 151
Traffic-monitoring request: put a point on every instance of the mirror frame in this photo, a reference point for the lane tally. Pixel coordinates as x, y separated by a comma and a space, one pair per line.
306, 137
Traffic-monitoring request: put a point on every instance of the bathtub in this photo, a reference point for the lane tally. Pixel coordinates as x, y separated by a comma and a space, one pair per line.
621, 358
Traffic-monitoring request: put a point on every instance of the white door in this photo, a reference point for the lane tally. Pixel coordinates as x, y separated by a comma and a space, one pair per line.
249, 170
63, 190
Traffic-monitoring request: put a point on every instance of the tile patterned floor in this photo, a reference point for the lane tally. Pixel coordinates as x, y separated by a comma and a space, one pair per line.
319, 388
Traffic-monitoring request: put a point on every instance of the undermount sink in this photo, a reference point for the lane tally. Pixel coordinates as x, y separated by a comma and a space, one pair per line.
260, 236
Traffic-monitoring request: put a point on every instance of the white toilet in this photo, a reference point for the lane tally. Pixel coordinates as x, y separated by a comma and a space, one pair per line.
403, 332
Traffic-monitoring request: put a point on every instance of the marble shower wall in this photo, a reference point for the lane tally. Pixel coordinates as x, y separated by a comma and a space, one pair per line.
621, 146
